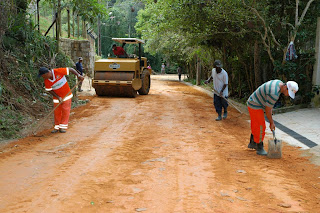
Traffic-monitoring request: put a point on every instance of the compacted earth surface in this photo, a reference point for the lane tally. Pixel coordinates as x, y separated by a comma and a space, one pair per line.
163, 152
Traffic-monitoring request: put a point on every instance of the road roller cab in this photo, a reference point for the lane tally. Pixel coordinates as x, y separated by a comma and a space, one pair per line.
122, 76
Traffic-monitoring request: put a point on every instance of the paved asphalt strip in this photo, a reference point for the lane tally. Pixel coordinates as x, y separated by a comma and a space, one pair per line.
294, 134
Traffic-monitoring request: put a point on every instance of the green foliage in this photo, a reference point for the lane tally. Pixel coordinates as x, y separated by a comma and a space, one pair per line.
22, 97
11, 122
88, 9
298, 71
185, 31
119, 24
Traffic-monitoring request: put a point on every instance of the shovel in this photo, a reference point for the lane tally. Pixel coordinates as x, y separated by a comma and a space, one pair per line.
274, 147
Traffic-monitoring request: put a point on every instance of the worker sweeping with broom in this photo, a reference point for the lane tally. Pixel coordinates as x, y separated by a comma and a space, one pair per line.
220, 85
56, 84
264, 98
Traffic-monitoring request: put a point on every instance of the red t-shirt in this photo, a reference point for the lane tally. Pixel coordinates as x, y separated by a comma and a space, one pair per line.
59, 84
119, 51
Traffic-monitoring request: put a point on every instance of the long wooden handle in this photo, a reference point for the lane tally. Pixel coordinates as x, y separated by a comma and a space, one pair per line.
34, 132
215, 91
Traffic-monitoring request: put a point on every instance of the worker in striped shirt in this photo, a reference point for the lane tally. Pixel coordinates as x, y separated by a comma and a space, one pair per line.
264, 98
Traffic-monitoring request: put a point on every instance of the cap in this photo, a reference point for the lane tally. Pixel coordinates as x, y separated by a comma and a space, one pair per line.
292, 88
42, 70
217, 63
80, 58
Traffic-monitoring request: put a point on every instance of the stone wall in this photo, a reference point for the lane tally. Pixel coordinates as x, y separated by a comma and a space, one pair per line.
80, 48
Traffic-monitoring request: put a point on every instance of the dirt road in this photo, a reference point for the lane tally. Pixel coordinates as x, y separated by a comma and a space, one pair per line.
163, 152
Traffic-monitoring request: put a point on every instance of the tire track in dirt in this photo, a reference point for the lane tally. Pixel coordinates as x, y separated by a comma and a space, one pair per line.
163, 152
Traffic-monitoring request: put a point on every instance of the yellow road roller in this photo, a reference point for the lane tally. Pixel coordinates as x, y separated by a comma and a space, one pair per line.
122, 76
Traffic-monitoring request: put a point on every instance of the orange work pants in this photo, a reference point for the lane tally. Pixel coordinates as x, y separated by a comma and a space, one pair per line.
258, 124
61, 115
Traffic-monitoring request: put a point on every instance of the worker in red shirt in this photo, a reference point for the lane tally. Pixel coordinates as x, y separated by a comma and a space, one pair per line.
119, 51
56, 84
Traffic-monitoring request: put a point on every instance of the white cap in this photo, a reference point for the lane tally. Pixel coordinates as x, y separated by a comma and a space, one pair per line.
292, 88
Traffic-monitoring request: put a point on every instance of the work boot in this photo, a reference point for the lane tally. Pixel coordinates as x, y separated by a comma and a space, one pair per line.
252, 144
260, 149
219, 117
63, 131
54, 130
225, 114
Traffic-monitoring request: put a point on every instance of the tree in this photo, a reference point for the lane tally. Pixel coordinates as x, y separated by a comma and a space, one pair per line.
268, 37
235, 31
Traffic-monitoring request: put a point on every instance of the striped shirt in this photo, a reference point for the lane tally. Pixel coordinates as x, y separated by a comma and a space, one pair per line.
266, 95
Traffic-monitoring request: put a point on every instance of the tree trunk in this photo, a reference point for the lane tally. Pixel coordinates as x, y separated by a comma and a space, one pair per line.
53, 17
68, 23
198, 76
57, 31
257, 70
73, 23
38, 15
84, 34
78, 26
99, 36
59, 17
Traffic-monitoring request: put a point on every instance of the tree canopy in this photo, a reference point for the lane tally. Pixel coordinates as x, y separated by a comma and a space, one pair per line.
251, 37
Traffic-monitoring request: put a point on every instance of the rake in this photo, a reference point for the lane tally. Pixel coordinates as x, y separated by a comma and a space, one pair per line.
45, 118
215, 91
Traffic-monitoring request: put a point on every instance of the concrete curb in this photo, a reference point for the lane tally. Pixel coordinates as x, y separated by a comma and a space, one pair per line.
243, 108
310, 149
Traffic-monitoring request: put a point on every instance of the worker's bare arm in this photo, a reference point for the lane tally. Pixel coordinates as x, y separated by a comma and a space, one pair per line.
55, 95
269, 116
80, 77
208, 81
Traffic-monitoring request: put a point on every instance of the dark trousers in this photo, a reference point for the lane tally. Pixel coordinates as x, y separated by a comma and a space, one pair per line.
219, 103
80, 84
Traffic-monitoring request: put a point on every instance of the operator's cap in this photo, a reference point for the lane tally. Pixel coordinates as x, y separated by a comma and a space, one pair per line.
217, 63
292, 88
80, 58
42, 70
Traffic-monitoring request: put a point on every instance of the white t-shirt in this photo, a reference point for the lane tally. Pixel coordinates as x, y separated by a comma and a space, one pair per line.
220, 79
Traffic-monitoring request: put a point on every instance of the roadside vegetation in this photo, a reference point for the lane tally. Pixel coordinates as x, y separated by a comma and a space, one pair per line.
250, 37
23, 50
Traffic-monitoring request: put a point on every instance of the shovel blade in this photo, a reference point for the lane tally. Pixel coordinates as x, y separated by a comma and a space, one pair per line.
274, 149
